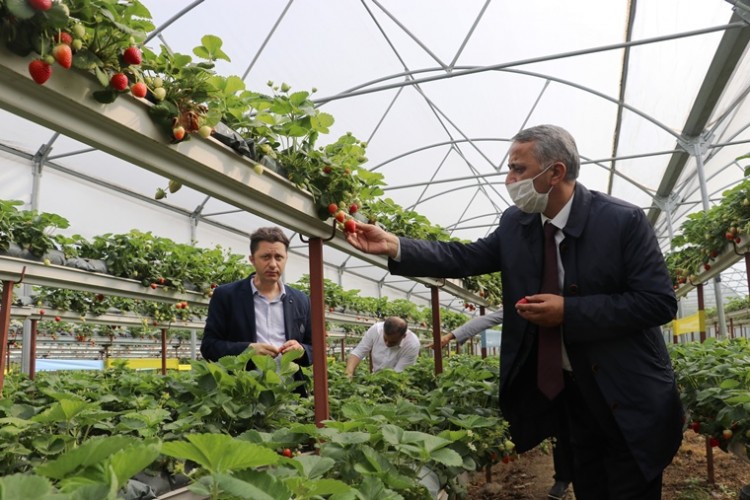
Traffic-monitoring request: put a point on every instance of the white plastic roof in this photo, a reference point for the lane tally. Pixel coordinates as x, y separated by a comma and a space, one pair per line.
437, 88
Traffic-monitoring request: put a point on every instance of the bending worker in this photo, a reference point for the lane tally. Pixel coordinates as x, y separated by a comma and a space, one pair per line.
390, 344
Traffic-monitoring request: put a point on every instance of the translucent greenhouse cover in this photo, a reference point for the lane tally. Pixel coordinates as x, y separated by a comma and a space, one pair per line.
437, 88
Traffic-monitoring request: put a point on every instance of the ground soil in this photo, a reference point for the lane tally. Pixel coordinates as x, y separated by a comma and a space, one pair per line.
530, 475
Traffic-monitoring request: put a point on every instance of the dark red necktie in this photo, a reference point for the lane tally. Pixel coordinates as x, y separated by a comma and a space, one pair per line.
549, 356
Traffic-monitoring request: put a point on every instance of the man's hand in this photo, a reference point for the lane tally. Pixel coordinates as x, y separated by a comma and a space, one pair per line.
371, 239
444, 341
291, 345
544, 309
265, 349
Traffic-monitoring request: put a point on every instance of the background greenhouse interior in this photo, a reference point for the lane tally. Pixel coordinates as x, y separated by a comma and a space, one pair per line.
430, 92
647, 89
436, 91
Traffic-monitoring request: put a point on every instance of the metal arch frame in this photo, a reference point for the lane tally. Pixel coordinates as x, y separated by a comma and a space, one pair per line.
439, 114
188, 214
730, 49
601, 95
409, 74
416, 82
470, 70
360, 90
646, 190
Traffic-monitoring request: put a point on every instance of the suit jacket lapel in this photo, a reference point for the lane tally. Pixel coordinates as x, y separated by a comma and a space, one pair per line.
248, 313
286, 305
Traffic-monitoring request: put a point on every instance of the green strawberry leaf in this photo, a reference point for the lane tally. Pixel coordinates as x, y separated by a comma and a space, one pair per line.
20, 9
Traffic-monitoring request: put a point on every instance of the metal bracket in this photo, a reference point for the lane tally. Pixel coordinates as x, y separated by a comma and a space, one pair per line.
21, 277
694, 146
440, 285
742, 9
734, 247
333, 234
667, 203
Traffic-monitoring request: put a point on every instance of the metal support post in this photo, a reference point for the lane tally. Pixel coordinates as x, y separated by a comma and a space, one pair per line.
435, 299
697, 148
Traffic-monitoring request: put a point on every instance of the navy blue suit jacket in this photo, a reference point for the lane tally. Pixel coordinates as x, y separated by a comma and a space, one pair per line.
617, 294
230, 323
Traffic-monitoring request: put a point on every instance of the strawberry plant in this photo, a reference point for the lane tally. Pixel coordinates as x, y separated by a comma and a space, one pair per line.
705, 235
713, 380
30, 230
192, 92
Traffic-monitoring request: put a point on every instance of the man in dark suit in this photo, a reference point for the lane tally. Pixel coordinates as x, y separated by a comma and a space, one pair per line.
617, 384
260, 311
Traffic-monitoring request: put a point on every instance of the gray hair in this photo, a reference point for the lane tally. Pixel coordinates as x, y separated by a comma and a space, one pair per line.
552, 144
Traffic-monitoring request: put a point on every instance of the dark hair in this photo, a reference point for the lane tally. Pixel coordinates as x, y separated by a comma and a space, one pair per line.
552, 144
269, 234
395, 326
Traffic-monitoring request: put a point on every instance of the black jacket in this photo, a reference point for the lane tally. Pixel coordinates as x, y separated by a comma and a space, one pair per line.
230, 323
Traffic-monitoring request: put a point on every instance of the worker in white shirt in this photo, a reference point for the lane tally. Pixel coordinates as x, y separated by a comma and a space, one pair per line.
390, 344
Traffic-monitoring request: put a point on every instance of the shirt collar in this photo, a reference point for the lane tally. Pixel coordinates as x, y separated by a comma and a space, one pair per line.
256, 292
561, 219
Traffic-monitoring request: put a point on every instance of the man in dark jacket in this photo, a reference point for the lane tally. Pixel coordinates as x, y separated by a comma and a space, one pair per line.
611, 373
259, 311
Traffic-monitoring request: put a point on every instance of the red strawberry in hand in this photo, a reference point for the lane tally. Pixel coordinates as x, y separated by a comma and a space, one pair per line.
119, 81
40, 71
40, 4
523, 300
132, 55
63, 55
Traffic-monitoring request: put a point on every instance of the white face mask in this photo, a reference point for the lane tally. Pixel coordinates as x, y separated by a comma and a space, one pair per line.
526, 197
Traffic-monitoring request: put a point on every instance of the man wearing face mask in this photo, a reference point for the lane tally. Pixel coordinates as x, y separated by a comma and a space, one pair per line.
585, 290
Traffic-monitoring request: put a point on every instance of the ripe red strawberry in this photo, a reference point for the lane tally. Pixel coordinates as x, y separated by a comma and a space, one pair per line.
63, 55
341, 216
139, 89
353, 208
132, 55
40, 71
523, 300
287, 453
64, 37
350, 226
119, 81
40, 4
333, 208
